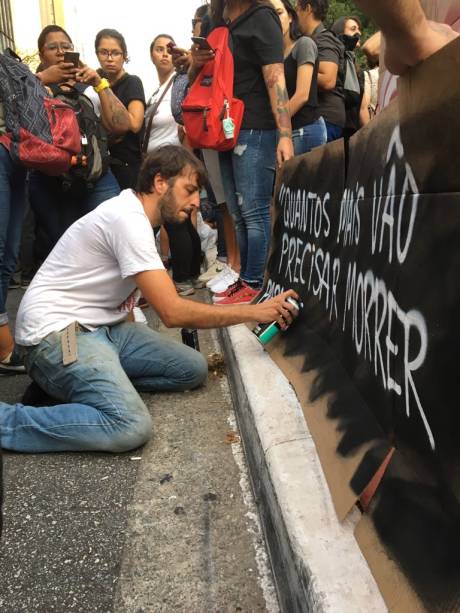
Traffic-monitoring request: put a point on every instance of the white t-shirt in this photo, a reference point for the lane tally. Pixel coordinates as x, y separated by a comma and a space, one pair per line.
88, 277
164, 126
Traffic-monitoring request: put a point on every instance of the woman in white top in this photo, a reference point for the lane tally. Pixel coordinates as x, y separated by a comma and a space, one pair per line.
164, 127
184, 241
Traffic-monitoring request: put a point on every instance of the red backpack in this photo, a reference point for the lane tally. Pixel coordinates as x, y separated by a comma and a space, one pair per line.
41, 132
210, 100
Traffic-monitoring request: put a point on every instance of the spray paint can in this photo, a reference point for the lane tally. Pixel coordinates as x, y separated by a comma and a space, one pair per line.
265, 332
190, 338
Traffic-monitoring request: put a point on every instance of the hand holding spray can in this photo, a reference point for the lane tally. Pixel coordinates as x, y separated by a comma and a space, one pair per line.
265, 332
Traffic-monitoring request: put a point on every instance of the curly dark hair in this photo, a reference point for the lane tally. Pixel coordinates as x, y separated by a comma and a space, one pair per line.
170, 162
320, 8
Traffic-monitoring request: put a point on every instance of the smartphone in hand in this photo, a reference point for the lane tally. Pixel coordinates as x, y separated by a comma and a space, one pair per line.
72, 57
202, 43
170, 47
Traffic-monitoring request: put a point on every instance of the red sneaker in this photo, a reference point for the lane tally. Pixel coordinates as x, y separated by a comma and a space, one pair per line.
229, 291
242, 296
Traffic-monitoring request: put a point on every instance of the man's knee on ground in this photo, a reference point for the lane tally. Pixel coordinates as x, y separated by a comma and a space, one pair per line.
131, 434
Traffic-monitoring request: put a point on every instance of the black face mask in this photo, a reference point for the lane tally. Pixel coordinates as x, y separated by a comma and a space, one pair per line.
350, 42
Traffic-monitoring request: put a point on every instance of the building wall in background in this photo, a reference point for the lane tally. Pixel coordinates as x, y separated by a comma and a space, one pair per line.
39, 14
6, 25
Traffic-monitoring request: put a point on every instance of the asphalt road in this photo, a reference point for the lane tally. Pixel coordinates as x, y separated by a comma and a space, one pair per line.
170, 527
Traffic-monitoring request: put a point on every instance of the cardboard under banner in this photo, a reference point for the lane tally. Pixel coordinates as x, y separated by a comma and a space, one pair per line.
368, 234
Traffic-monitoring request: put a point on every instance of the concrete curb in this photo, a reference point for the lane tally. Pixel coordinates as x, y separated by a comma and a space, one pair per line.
316, 561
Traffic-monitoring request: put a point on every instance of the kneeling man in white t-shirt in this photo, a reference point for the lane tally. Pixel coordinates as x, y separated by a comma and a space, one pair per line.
74, 323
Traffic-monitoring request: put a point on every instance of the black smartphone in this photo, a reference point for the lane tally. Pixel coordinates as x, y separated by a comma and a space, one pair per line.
202, 43
72, 57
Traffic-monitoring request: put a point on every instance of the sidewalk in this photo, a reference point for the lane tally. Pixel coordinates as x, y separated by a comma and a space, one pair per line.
317, 563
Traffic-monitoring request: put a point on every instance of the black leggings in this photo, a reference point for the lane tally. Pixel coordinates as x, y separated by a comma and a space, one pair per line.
185, 247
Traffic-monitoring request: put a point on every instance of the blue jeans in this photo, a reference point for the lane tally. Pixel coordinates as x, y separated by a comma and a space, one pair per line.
12, 206
310, 136
333, 132
56, 209
104, 412
248, 174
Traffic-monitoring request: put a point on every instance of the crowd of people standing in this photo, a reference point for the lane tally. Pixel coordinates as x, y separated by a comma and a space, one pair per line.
290, 72
266, 36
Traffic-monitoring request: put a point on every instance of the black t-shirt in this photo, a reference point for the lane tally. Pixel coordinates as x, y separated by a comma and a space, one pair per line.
303, 52
331, 49
257, 41
128, 150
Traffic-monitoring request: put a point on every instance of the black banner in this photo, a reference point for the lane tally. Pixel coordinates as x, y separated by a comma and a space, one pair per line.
369, 236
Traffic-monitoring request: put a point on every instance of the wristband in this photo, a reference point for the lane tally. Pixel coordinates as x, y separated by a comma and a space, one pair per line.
104, 84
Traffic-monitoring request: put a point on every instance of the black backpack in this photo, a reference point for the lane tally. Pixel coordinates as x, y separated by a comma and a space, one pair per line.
93, 160
351, 84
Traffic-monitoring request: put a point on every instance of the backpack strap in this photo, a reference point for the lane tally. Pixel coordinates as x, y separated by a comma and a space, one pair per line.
153, 112
70, 90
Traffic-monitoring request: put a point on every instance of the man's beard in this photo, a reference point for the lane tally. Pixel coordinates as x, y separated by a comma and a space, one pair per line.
169, 209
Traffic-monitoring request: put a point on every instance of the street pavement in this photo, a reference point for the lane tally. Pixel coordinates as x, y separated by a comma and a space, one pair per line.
170, 527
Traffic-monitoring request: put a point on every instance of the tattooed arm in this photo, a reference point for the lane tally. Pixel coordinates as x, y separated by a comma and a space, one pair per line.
279, 99
114, 114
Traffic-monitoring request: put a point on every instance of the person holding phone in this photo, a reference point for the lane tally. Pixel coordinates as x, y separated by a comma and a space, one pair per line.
182, 241
57, 206
265, 139
163, 129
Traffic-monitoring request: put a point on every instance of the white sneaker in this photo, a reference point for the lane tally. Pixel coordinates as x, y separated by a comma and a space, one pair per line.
224, 282
212, 272
224, 271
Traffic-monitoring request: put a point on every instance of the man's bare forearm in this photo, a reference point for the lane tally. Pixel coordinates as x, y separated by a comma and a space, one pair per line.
176, 312
410, 37
199, 315
396, 17
279, 99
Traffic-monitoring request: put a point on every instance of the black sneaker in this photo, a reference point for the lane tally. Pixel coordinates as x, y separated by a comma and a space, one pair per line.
12, 365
